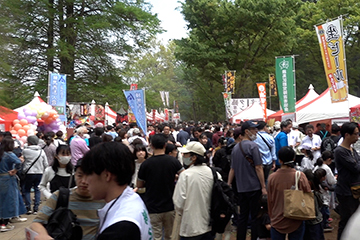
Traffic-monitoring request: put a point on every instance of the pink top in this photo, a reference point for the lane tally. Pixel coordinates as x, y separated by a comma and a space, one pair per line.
78, 148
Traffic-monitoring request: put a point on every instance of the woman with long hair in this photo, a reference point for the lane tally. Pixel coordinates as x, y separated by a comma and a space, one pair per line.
141, 155
11, 204
58, 175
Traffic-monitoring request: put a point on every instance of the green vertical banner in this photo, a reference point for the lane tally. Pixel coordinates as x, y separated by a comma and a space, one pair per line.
285, 82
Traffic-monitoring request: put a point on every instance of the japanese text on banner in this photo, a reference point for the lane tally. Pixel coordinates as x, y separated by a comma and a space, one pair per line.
136, 101
330, 38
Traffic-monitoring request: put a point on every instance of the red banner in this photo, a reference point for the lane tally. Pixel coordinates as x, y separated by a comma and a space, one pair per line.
262, 95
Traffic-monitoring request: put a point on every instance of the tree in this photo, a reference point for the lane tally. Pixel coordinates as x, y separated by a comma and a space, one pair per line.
83, 39
157, 69
236, 35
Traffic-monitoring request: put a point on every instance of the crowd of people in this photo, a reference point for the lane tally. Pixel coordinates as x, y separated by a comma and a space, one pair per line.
127, 184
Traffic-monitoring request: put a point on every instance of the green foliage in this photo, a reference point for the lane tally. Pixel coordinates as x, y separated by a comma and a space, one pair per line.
90, 41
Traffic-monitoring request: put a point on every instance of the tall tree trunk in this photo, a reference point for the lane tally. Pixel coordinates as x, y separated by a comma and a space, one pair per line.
68, 38
50, 38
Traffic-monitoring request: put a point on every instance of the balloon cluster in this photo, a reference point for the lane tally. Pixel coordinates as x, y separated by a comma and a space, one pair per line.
22, 128
44, 112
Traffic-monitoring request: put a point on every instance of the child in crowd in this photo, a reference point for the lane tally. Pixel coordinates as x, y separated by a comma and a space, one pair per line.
328, 184
314, 227
307, 161
263, 221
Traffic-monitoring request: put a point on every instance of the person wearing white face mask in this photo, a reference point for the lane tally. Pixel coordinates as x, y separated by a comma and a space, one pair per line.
58, 175
192, 195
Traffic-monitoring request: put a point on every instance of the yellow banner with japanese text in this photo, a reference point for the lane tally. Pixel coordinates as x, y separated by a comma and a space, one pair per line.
330, 36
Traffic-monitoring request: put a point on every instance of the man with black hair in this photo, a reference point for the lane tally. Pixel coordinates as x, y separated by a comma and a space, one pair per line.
96, 138
81, 204
208, 131
192, 195
183, 136
217, 134
167, 133
157, 174
196, 132
281, 139
267, 149
313, 140
246, 166
348, 165
108, 169
190, 127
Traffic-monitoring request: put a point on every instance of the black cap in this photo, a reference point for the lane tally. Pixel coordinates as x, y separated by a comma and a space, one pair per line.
247, 125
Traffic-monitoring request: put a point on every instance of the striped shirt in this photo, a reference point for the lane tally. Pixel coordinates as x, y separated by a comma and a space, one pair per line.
83, 207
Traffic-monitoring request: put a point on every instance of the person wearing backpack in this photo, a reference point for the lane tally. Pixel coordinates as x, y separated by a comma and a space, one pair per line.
192, 195
80, 203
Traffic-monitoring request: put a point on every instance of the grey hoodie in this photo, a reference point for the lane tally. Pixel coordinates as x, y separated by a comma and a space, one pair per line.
30, 154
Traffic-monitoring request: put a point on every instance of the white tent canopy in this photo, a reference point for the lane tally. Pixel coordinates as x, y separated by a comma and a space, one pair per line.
322, 108
253, 112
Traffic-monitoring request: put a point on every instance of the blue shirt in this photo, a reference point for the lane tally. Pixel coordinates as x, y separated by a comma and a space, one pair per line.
268, 155
281, 140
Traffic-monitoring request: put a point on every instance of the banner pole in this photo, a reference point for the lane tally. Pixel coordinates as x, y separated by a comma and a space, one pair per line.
48, 93
294, 83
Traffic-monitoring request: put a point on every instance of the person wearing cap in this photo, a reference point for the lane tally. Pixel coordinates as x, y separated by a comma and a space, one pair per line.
192, 195
157, 174
282, 179
266, 145
32, 153
81, 204
281, 140
313, 140
137, 134
246, 166
111, 131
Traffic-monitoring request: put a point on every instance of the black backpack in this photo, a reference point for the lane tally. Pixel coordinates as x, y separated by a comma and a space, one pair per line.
223, 204
329, 144
63, 224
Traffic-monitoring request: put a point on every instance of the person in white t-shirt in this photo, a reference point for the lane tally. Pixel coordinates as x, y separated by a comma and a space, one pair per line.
313, 140
108, 169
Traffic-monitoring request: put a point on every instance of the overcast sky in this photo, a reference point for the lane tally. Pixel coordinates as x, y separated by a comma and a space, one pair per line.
171, 19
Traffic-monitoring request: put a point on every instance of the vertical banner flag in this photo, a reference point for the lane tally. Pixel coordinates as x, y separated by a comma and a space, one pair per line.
166, 112
136, 101
272, 84
262, 95
131, 116
57, 94
224, 81
167, 99
230, 82
154, 115
330, 36
227, 100
162, 95
285, 82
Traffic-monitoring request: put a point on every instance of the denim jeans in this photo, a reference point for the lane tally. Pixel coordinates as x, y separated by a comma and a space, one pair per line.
298, 234
32, 180
249, 204
314, 232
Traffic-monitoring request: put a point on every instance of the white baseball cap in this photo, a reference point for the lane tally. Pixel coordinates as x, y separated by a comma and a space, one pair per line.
194, 147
